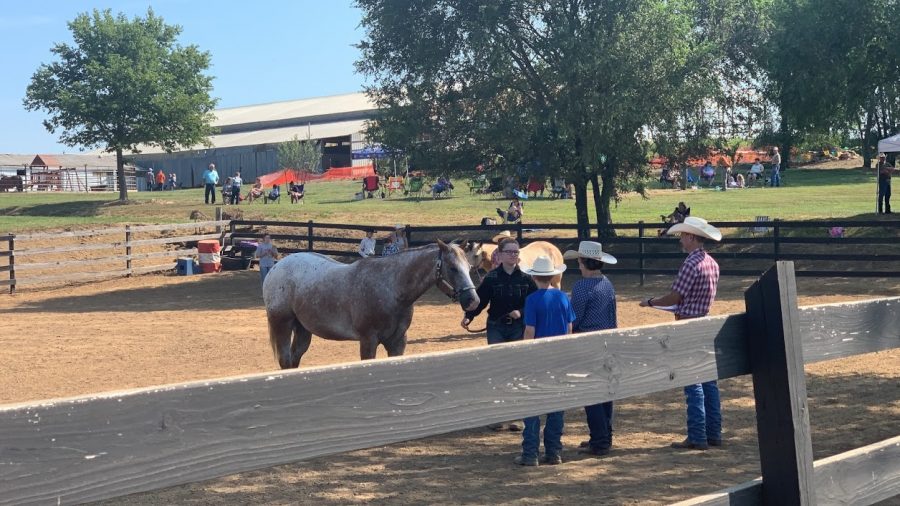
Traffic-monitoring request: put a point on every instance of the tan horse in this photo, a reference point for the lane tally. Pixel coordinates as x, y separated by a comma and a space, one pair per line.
370, 300
479, 256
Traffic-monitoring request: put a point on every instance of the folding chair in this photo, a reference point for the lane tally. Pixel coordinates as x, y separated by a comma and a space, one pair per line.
760, 229
297, 193
273, 196
476, 185
415, 186
371, 185
394, 184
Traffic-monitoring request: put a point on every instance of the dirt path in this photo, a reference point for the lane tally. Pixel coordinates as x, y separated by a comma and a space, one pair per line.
161, 329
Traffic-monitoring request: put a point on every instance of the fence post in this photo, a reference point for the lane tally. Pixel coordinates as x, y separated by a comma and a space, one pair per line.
309, 232
12, 264
219, 218
519, 231
641, 250
128, 249
231, 229
779, 387
776, 234
407, 234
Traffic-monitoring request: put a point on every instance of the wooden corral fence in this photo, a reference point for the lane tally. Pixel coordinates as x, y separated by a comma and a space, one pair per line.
100, 446
746, 252
83, 255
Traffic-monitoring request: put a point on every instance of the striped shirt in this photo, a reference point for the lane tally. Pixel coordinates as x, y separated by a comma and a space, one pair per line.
594, 301
696, 283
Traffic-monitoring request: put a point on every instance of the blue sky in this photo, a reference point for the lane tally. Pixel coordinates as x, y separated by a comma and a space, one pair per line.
262, 51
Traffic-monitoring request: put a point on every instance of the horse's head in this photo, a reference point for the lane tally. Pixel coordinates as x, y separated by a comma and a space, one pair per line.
478, 256
453, 276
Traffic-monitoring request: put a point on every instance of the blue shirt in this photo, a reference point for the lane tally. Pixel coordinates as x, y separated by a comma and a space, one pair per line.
549, 311
594, 301
211, 177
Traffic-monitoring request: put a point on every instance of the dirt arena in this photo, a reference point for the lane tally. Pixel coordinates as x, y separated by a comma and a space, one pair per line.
162, 329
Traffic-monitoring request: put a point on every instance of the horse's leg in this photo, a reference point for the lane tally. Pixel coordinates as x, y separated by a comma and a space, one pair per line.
556, 282
302, 338
368, 346
395, 344
280, 328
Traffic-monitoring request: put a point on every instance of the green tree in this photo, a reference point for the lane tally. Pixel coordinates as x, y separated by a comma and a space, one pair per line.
573, 85
123, 84
303, 155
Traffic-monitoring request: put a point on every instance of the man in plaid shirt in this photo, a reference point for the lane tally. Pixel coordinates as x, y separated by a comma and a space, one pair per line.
692, 295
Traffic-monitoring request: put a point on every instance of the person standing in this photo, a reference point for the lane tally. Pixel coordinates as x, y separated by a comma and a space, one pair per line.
150, 179
210, 180
236, 183
548, 313
503, 291
884, 185
594, 302
160, 180
692, 295
776, 168
390, 246
367, 244
267, 254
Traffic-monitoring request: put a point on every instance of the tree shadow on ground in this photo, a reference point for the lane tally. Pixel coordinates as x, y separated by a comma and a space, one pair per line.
475, 466
76, 208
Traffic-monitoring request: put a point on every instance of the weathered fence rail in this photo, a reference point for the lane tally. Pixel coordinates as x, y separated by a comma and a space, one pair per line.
107, 445
643, 253
111, 252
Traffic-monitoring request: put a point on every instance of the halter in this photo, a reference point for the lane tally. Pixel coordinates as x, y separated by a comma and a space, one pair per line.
444, 285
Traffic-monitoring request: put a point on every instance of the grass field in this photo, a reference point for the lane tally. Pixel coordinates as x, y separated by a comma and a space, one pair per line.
831, 190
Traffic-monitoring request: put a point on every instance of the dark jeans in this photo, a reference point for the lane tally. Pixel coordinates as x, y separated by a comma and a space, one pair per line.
600, 424
531, 436
210, 192
235, 194
884, 196
499, 332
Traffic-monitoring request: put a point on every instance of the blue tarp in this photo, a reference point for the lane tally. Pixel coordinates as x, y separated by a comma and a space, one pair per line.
370, 152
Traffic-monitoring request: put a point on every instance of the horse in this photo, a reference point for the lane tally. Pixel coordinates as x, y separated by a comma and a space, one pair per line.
370, 300
479, 256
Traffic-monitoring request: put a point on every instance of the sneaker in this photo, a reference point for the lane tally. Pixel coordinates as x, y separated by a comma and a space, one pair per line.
521, 460
551, 459
597, 452
517, 426
687, 444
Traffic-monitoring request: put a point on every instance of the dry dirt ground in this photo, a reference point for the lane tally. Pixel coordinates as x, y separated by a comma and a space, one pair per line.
161, 329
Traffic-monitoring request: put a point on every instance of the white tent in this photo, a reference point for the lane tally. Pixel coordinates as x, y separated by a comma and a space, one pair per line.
889, 145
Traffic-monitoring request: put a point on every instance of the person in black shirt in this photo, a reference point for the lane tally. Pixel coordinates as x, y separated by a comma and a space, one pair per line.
504, 289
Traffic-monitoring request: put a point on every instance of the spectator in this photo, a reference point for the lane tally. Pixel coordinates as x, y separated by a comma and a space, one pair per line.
296, 192
160, 180
756, 172
497, 239
274, 195
256, 191
390, 246
594, 302
548, 313
150, 179
513, 213
400, 237
267, 254
236, 183
691, 296
210, 180
884, 185
740, 182
708, 173
367, 244
226, 191
776, 168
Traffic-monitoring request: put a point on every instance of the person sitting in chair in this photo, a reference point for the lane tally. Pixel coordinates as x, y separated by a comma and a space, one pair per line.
226, 191
681, 212
756, 172
296, 192
513, 213
256, 191
708, 173
274, 195
443, 185
668, 177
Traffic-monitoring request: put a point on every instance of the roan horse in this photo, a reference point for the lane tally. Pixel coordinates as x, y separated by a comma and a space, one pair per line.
479, 256
370, 300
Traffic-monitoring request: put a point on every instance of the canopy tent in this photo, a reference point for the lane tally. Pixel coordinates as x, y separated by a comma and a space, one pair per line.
373, 152
889, 145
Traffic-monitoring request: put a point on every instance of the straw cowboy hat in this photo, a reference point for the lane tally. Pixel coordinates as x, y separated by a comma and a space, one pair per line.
502, 235
696, 226
590, 249
543, 266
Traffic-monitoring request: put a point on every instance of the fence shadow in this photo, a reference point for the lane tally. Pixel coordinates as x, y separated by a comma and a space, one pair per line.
78, 208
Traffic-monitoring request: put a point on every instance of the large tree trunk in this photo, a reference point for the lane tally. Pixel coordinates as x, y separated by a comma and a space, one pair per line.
120, 175
787, 141
867, 140
581, 210
603, 196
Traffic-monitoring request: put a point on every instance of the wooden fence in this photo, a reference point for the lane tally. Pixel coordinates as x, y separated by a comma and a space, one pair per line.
107, 252
107, 445
747, 250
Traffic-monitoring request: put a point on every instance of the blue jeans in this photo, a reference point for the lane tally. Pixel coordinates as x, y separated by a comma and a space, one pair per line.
884, 196
209, 191
263, 272
235, 195
531, 436
600, 424
704, 414
776, 176
499, 332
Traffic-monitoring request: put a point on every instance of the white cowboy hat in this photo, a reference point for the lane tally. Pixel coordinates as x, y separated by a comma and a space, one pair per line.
502, 235
543, 266
590, 249
696, 226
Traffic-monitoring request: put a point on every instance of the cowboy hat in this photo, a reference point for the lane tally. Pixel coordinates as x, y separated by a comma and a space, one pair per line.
502, 235
590, 249
696, 226
543, 266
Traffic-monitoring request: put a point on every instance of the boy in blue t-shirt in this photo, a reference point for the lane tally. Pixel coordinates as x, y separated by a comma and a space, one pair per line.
548, 312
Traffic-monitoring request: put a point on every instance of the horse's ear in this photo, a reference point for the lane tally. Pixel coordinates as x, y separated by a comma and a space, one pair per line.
441, 244
464, 245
